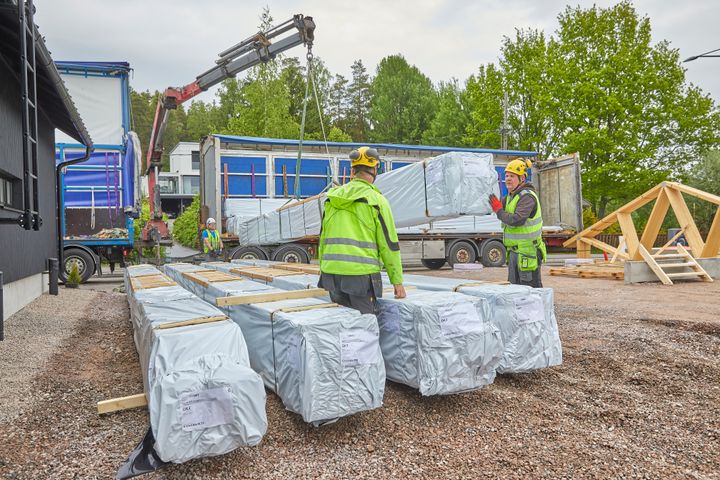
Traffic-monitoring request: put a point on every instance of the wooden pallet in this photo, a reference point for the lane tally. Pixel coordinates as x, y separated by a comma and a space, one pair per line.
591, 270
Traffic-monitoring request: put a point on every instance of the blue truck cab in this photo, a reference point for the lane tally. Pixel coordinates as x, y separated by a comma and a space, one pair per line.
99, 196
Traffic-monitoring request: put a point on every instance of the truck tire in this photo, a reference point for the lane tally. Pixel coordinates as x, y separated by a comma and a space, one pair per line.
249, 253
433, 263
83, 260
461, 252
492, 253
291, 254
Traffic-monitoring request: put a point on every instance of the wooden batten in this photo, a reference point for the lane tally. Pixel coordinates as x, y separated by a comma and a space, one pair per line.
270, 297
192, 321
122, 403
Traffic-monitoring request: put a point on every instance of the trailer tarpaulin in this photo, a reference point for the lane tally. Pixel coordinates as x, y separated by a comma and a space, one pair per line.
203, 397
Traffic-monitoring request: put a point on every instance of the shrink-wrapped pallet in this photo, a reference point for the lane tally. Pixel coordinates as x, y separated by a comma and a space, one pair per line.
322, 360
203, 397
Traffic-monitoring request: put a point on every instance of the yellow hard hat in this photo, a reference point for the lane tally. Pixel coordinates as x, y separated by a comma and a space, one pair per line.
364, 156
518, 166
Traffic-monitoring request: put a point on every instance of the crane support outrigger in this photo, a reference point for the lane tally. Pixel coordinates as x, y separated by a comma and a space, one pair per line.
258, 48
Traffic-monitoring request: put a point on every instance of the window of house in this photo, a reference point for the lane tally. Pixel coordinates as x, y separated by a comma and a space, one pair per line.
195, 156
6, 191
191, 184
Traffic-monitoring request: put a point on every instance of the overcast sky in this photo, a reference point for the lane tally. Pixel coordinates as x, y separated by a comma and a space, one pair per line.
168, 43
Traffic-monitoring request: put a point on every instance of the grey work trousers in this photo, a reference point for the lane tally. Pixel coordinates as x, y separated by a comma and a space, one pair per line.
517, 277
353, 291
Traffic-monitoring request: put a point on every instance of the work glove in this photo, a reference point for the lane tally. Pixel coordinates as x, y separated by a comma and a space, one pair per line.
495, 204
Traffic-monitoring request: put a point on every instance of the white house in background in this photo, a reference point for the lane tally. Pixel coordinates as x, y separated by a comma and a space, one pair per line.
182, 182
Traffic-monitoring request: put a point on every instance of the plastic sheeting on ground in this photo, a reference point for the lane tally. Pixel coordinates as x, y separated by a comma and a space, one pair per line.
324, 363
446, 186
203, 397
524, 315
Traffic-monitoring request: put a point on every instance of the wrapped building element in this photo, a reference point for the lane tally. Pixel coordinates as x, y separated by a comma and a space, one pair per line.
439, 342
524, 315
203, 397
447, 186
323, 360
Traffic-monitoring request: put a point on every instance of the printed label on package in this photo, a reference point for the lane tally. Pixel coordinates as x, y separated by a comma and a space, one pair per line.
206, 408
358, 347
459, 319
529, 309
474, 168
293, 351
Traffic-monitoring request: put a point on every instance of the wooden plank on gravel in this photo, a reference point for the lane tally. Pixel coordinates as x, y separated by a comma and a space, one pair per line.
270, 297
122, 403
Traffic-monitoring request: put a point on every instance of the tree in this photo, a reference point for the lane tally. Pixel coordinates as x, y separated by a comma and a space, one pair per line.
339, 102
624, 104
403, 102
357, 122
705, 176
484, 96
451, 120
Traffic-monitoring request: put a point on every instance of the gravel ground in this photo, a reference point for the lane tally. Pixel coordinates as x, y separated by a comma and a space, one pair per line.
637, 396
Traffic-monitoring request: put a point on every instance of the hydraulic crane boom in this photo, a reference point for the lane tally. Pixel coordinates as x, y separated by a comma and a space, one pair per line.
252, 51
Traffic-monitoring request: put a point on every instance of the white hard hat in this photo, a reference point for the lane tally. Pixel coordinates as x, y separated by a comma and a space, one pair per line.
210, 220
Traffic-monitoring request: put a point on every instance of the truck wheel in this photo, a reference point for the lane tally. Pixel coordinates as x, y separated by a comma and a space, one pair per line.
291, 254
433, 263
493, 253
84, 261
461, 252
249, 253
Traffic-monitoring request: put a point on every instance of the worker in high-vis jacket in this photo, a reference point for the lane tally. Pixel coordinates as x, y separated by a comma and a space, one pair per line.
358, 238
212, 243
521, 218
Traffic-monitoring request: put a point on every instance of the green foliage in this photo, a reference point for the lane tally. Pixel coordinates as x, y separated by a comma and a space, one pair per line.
403, 102
74, 277
143, 105
705, 176
357, 121
186, 226
337, 135
589, 217
483, 95
451, 119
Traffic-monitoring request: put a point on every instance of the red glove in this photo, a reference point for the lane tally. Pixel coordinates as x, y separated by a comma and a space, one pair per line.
495, 204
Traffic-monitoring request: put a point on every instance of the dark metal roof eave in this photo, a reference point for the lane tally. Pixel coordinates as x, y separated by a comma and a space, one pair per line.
46, 62
389, 146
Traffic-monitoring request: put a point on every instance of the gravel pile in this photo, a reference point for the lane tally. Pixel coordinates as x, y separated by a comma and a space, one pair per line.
637, 396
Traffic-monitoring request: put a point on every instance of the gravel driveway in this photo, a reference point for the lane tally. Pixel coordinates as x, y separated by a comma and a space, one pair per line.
638, 395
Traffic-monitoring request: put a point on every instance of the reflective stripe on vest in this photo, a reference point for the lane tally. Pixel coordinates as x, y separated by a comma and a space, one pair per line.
350, 258
350, 241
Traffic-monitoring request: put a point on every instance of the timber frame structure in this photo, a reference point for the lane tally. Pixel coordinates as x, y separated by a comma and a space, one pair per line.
665, 195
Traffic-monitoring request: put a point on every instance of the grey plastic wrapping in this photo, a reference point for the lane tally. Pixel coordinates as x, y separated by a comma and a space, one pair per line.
203, 397
239, 210
465, 224
294, 281
524, 315
175, 272
323, 363
439, 342
446, 186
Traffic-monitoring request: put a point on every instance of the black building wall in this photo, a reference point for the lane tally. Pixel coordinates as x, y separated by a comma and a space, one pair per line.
25, 252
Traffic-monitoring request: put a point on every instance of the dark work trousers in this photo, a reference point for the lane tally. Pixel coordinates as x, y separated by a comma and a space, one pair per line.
515, 276
353, 291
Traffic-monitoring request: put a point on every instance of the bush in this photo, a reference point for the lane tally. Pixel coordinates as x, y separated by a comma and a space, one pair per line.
74, 276
185, 227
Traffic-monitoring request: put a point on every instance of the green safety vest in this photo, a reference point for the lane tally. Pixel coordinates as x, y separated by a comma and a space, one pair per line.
214, 239
358, 233
526, 239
